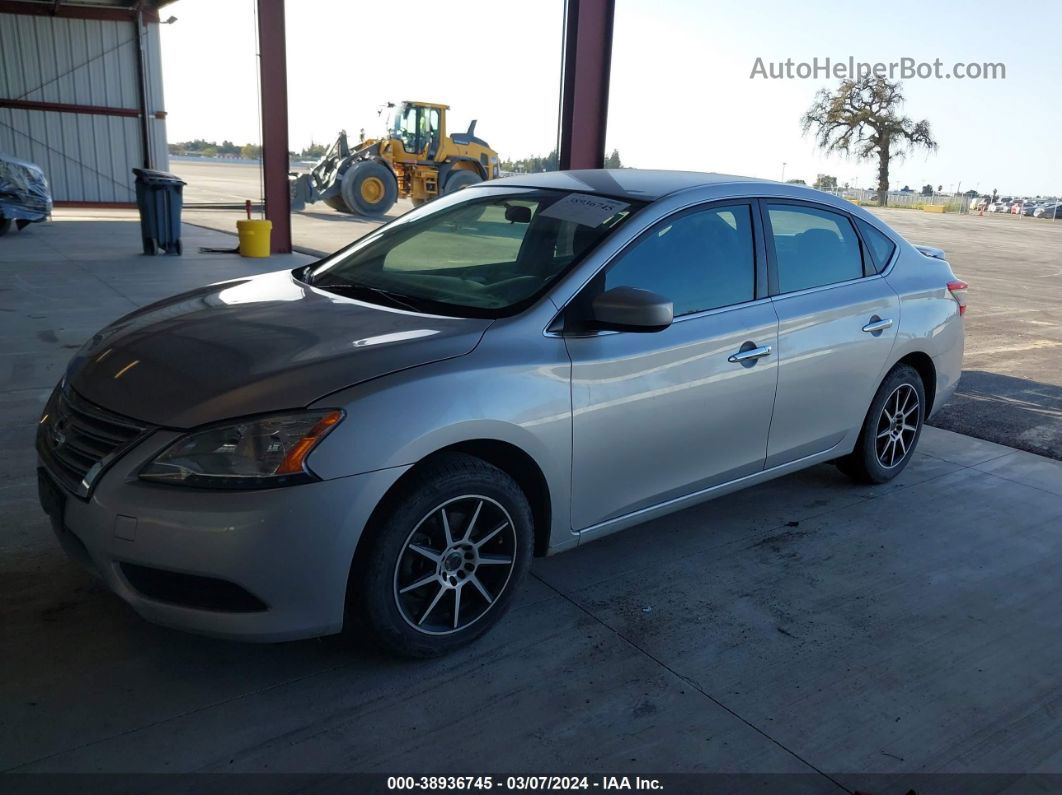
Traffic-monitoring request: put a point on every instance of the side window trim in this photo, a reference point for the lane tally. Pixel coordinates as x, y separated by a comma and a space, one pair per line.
876, 267
870, 267
772, 253
759, 231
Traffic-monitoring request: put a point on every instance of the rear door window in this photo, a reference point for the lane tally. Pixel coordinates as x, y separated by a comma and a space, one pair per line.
813, 247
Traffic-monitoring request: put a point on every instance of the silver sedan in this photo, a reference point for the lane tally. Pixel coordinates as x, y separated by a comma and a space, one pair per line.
382, 440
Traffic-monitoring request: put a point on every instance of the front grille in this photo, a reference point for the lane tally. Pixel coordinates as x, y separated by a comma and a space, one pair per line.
78, 440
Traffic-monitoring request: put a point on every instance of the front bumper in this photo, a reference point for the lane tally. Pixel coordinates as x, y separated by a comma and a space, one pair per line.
290, 548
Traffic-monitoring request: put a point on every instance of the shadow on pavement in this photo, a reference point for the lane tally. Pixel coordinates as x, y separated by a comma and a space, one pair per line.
1013, 411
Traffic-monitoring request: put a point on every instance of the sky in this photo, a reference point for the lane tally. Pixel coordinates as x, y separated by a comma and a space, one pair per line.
680, 95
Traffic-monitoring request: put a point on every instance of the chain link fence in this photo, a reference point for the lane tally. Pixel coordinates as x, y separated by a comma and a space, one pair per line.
946, 202
1040, 207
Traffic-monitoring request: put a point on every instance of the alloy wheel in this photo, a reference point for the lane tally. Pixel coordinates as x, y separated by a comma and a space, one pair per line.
455, 564
897, 426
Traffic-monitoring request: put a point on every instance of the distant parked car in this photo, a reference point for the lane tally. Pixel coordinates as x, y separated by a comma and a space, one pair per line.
24, 194
1048, 211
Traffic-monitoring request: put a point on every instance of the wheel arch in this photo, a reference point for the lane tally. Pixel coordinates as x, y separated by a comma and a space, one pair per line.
923, 364
509, 458
514, 461
460, 163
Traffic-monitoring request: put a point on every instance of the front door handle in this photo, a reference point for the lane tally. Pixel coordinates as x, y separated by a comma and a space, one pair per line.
877, 325
750, 355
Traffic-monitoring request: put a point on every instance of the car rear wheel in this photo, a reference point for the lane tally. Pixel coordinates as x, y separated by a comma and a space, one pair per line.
891, 429
446, 558
5, 225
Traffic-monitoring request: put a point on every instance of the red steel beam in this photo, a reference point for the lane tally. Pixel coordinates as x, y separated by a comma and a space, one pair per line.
274, 87
586, 65
114, 14
68, 107
141, 83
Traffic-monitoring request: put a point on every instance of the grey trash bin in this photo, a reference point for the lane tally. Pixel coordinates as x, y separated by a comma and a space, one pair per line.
159, 199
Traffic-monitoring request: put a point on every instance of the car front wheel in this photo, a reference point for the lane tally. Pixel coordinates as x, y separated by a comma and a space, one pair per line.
891, 429
446, 557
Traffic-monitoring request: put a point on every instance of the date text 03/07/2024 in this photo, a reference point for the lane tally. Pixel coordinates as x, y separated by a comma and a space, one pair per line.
522, 783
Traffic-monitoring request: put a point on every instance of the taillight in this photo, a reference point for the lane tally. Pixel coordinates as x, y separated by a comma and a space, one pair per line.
958, 288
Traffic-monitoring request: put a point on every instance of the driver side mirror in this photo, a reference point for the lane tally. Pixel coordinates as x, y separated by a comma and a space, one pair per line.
631, 309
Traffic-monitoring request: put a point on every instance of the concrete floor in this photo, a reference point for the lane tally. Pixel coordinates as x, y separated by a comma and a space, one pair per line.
803, 626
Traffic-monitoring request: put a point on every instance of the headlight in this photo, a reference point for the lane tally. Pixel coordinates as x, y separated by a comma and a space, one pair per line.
258, 453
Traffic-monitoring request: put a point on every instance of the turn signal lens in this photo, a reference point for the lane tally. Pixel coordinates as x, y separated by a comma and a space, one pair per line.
295, 460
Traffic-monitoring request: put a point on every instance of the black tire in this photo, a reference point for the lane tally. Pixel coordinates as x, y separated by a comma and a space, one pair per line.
5, 225
149, 246
369, 188
459, 179
336, 203
380, 590
885, 444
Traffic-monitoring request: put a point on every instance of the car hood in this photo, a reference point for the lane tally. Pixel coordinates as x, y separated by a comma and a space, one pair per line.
261, 344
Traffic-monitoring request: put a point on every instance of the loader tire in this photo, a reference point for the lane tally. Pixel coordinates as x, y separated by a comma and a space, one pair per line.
369, 188
337, 204
461, 178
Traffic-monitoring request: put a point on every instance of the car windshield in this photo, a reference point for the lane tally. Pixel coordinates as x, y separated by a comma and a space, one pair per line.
480, 252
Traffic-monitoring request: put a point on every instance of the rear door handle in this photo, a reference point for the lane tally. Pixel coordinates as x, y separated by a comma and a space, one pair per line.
877, 325
750, 354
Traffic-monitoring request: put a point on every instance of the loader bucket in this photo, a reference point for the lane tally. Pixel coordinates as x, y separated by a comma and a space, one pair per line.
300, 188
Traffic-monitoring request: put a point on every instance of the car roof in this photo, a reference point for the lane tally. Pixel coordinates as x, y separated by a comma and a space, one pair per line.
627, 183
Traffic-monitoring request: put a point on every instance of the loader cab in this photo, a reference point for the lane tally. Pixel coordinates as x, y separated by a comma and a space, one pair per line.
420, 127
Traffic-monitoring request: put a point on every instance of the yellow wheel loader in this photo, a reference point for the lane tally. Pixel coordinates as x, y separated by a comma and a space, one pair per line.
417, 159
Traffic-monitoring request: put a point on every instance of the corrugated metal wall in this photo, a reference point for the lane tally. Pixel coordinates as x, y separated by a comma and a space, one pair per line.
87, 157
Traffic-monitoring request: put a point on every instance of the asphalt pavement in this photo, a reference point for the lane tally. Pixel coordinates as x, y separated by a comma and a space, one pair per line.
1011, 388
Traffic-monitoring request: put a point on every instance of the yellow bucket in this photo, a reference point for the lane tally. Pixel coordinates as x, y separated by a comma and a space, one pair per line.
254, 237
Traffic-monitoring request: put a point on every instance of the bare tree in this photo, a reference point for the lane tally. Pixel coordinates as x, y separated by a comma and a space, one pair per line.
862, 120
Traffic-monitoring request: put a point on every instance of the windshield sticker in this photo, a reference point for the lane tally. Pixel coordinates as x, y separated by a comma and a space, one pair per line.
586, 210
